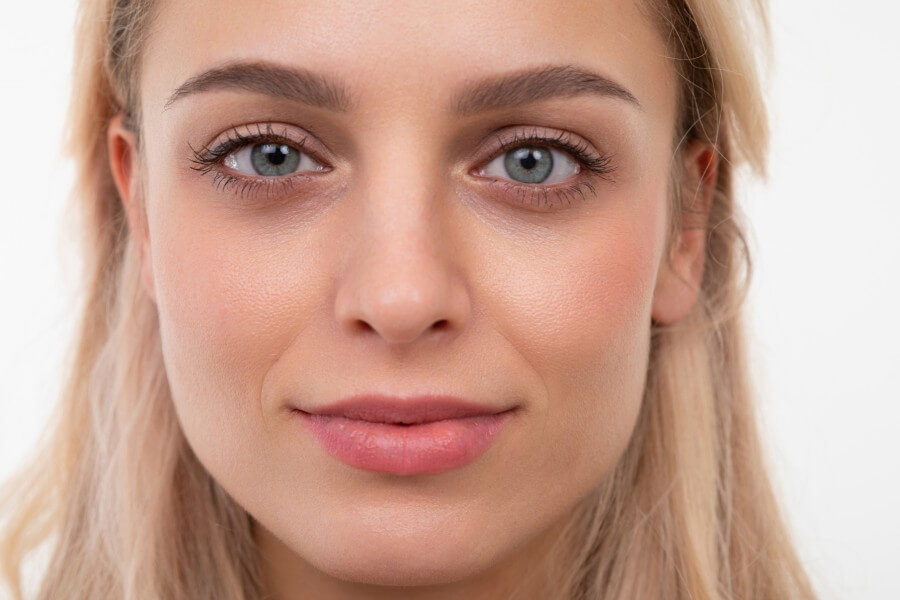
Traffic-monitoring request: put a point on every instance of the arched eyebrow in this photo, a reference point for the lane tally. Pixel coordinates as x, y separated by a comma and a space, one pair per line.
292, 83
314, 89
532, 85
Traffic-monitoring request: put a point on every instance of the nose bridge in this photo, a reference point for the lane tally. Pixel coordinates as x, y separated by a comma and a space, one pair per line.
399, 187
399, 278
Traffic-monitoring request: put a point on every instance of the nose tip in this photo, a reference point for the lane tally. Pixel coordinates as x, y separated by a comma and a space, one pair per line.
401, 312
401, 300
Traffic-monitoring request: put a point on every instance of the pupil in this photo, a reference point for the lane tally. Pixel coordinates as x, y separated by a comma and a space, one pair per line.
275, 154
528, 161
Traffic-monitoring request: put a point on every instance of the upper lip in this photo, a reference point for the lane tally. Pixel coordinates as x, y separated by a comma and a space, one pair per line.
409, 410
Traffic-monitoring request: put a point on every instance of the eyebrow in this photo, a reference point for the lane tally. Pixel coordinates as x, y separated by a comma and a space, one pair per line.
533, 85
497, 91
294, 83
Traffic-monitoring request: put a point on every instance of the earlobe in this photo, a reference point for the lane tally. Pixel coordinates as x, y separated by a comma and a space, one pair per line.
122, 149
681, 273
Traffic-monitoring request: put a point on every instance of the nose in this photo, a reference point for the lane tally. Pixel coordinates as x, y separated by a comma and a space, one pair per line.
401, 279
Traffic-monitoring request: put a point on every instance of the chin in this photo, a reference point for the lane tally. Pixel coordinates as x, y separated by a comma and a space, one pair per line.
400, 564
395, 551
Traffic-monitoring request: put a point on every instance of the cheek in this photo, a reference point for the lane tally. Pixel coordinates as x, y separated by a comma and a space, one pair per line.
579, 312
229, 305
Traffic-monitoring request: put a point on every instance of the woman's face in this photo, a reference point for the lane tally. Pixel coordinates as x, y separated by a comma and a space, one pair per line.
413, 245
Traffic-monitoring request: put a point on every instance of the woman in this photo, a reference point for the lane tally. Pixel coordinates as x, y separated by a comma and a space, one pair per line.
409, 300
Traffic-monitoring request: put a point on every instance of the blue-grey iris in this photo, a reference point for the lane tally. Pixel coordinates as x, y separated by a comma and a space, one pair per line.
273, 160
529, 164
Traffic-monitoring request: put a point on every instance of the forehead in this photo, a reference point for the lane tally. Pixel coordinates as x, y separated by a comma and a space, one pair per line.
406, 54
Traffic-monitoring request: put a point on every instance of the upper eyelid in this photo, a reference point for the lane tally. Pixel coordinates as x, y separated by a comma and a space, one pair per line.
534, 132
558, 140
508, 145
238, 136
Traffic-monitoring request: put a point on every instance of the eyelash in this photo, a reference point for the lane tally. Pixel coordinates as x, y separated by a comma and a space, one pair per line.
599, 165
209, 159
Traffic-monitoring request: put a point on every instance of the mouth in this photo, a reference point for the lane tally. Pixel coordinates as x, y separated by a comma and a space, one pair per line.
419, 436
378, 408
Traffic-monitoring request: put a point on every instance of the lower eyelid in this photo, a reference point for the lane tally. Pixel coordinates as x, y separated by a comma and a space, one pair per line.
542, 197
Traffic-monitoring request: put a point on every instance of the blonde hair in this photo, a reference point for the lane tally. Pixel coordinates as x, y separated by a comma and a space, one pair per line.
688, 512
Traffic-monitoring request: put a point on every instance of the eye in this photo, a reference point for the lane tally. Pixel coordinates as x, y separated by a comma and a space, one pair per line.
270, 159
532, 164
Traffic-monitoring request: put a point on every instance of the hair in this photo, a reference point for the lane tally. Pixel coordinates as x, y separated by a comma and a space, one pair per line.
127, 511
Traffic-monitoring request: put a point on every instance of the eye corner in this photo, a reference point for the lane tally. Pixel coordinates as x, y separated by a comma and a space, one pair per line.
477, 171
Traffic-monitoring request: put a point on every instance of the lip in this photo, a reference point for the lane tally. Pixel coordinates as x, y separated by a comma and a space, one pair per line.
405, 436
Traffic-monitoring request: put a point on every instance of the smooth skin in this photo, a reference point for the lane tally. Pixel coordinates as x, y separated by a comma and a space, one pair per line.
402, 269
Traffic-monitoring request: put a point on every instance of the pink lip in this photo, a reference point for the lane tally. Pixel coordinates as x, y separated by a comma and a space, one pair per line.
411, 436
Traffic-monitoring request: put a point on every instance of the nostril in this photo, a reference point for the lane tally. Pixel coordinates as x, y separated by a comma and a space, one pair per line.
364, 326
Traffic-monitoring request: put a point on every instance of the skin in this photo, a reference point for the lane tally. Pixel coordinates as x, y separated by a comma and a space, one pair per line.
334, 288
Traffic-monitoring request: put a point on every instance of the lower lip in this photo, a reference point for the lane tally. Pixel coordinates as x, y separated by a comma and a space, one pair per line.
406, 449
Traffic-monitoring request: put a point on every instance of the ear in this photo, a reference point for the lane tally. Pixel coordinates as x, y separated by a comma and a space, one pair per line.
122, 148
680, 275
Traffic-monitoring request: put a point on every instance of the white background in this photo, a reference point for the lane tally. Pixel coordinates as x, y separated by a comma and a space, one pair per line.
825, 232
